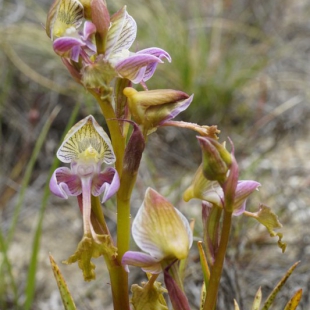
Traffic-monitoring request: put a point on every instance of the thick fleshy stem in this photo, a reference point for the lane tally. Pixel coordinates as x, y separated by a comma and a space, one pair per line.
217, 268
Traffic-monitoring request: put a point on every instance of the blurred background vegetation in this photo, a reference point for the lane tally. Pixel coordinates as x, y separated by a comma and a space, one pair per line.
246, 61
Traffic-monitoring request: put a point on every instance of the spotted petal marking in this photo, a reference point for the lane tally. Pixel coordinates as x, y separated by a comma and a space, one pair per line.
63, 15
86, 140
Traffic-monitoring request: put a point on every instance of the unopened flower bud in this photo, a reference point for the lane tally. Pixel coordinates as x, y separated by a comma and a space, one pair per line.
152, 108
216, 159
101, 19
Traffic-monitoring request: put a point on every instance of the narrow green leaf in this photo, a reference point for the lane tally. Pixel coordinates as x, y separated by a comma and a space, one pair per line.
276, 290
257, 300
7, 271
62, 286
294, 301
204, 264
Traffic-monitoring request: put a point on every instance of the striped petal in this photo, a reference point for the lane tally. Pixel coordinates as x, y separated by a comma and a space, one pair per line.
86, 140
64, 14
160, 229
157, 52
121, 34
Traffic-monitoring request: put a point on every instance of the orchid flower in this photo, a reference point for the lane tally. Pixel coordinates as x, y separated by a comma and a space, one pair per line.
86, 147
115, 60
211, 191
77, 44
161, 231
137, 67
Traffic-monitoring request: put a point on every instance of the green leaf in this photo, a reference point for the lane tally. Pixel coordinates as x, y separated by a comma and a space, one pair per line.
294, 301
204, 264
277, 289
66, 297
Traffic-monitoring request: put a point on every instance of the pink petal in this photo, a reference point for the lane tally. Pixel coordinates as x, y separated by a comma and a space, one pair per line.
130, 67
62, 46
243, 191
64, 183
89, 29
157, 52
106, 182
142, 260
179, 107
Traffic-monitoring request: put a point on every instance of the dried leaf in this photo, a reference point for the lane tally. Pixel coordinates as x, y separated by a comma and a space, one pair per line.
294, 301
88, 249
149, 296
270, 220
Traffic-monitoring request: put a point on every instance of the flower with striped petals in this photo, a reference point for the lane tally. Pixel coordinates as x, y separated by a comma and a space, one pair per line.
86, 147
99, 53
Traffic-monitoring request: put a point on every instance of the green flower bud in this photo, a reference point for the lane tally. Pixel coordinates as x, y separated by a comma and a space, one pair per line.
216, 159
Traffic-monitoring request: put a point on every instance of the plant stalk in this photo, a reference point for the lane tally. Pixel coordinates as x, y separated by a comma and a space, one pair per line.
217, 268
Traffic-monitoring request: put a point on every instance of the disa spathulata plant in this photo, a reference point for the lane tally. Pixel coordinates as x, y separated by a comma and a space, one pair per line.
95, 48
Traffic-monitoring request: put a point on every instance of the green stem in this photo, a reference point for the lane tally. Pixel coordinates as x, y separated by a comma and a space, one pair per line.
118, 140
119, 285
118, 276
217, 268
123, 211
